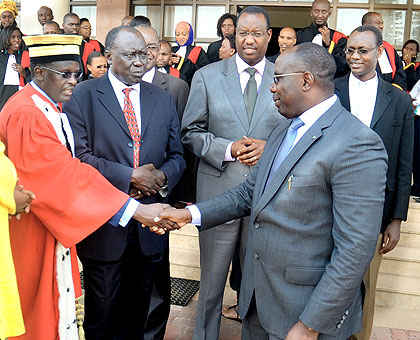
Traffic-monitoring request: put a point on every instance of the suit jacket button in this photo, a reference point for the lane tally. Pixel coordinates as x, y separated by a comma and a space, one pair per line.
256, 256
130, 145
339, 326
256, 225
245, 174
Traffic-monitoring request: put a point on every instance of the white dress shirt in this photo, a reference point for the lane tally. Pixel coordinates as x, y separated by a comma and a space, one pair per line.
309, 117
363, 98
134, 95
11, 77
149, 75
384, 63
243, 79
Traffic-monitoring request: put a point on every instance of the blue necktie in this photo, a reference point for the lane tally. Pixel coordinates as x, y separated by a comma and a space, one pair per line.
286, 145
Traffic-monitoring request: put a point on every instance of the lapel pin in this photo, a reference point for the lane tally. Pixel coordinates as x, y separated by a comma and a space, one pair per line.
313, 137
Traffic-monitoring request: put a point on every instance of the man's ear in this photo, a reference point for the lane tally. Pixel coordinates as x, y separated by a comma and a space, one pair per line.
39, 73
108, 57
89, 67
380, 51
308, 81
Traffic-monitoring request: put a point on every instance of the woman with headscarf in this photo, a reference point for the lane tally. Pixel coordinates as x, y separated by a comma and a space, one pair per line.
8, 14
14, 63
186, 57
13, 199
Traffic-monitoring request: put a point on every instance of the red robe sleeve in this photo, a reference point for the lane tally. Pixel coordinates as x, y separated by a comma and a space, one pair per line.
72, 198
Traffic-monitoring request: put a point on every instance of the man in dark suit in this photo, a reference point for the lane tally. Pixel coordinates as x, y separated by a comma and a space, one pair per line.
315, 201
161, 296
388, 111
129, 131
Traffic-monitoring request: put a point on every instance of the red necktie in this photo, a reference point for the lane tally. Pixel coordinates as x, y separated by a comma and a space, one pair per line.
130, 118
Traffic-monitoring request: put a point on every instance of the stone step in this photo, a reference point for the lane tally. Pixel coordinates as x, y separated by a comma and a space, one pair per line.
403, 261
184, 241
409, 238
398, 291
397, 318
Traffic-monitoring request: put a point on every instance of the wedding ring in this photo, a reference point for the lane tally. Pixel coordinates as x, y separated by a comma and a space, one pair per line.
139, 192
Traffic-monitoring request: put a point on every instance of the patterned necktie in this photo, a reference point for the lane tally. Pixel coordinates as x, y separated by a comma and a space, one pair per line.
130, 118
286, 145
250, 93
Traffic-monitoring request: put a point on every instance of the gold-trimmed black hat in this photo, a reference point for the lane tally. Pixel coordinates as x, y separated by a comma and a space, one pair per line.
53, 47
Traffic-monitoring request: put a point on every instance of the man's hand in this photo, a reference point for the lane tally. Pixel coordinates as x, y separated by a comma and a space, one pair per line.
391, 236
249, 155
300, 332
325, 31
23, 199
147, 215
179, 216
174, 59
146, 180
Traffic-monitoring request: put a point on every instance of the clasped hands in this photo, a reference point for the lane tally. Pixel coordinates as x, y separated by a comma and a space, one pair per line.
146, 180
248, 150
23, 199
161, 218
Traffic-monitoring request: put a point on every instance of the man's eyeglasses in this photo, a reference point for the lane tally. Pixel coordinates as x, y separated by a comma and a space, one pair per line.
277, 77
257, 34
86, 28
152, 47
360, 51
65, 75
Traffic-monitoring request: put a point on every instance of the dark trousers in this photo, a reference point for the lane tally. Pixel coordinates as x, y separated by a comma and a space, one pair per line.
160, 302
415, 189
117, 293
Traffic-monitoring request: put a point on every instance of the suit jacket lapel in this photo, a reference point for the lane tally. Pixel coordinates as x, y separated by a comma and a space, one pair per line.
342, 91
107, 97
382, 101
159, 80
147, 104
312, 135
232, 88
264, 98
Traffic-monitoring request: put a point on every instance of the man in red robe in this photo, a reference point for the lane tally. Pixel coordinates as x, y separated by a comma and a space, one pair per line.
72, 199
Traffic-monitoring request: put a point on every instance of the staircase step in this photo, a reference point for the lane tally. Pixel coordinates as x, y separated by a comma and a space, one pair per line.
184, 241
399, 318
409, 238
403, 261
411, 227
398, 291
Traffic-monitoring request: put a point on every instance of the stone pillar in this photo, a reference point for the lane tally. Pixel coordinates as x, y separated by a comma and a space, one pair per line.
28, 13
109, 14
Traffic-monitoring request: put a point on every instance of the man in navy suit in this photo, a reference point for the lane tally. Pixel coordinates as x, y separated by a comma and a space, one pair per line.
129, 131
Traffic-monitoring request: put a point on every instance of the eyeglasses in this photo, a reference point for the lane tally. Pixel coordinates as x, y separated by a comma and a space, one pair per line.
152, 47
100, 67
277, 77
86, 28
361, 51
65, 75
244, 34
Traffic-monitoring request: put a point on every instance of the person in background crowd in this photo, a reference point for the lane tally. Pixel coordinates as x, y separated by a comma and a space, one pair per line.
8, 13
228, 47
186, 57
96, 64
45, 14
225, 25
51, 27
320, 34
88, 45
389, 67
14, 63
72, 199
163, 62
410, 51
126, 21
129, 130
387, 111
71, 23
13, 200
287, 38
140, 20
228, 118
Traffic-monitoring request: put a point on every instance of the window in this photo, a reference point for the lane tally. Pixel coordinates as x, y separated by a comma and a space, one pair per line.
349, 18
394, 23
207, 17
173, 15
152, 12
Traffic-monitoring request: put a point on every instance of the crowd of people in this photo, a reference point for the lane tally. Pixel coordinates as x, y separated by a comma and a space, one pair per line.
296, 169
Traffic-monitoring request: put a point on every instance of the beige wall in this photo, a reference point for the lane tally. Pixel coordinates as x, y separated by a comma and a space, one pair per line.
109, 15
28, 13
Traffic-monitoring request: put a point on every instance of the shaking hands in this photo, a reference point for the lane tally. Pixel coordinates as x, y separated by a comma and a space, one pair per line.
161, 218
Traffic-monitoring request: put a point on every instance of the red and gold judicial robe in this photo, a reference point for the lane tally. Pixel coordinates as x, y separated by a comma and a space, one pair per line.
72, 200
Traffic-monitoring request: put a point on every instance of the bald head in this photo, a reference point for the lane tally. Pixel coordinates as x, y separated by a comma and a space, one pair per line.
126, 21
373, 19
320, 12
325, 3
44, 14
287, 38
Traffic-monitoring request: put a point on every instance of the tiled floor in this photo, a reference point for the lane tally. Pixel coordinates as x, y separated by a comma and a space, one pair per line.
181, 325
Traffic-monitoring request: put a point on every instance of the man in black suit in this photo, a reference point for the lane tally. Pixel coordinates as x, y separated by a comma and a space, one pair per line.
129, 131
161, 295
388, 111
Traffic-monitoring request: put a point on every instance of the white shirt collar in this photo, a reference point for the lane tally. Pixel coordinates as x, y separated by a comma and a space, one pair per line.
353, 81
149, 75
119, 86
242, 65
310, 116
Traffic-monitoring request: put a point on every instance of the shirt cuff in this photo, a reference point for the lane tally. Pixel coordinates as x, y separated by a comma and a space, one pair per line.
128, 212
228, 153
195, 214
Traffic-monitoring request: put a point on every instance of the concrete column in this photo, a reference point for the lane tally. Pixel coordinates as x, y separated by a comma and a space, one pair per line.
28, 13
109, 14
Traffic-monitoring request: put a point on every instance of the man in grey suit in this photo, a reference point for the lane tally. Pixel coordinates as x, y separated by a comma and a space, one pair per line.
225, 104
315, 202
